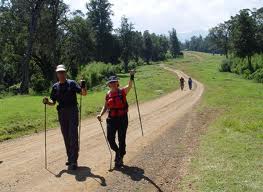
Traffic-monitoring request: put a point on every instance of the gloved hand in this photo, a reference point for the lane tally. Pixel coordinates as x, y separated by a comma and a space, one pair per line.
132, 73
45, 100
99, 118
82, 84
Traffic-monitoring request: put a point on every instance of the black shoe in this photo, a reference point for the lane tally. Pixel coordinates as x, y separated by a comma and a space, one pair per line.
118, 160
72, 166
121, 161
67, 163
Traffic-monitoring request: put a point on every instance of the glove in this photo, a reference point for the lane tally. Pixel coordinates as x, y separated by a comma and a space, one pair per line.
83, 84
45, 100
99, 118
132, 72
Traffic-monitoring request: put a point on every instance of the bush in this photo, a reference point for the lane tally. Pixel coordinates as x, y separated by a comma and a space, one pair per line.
14, 89
258, 75
96, 73
225, 66
168, 55
247, 74
240, 66
132, 65
39, 84
140, 62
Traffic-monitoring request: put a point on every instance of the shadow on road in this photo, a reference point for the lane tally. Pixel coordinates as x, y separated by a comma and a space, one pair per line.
82, 173
137, 174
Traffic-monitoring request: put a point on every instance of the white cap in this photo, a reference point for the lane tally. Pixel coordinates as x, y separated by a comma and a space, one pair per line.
61, 68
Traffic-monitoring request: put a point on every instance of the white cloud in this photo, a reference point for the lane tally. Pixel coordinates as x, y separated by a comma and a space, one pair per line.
160, 16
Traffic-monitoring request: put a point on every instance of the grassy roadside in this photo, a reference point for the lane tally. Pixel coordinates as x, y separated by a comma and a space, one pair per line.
230, 154
21, 115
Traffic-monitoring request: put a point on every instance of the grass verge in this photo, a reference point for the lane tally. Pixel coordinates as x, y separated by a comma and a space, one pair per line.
230, 154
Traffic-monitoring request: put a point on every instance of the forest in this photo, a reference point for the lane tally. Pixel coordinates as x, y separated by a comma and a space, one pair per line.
37, 35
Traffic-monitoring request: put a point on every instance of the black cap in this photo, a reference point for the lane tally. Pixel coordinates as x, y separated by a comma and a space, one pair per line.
112, 79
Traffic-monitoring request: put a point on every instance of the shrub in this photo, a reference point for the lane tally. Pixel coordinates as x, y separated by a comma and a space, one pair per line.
96, 73
39, 84
258, 75
131, 65
168, 55
14, 89
225, 66
240, 66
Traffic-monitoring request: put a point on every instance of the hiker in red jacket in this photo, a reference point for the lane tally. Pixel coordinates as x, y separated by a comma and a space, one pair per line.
117, 106
182, 81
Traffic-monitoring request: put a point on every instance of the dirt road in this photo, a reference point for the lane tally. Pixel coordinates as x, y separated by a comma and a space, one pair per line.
165, 122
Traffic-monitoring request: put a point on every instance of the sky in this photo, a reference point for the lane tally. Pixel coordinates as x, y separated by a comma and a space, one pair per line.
160, 16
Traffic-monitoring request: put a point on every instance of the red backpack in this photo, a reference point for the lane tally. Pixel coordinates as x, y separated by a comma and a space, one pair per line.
117, 103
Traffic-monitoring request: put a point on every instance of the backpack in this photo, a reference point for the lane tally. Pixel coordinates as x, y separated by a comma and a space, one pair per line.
117, 103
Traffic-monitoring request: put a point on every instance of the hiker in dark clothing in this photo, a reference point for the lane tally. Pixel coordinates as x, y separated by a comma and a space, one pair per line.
64, 92
182, 81
117, 106
190, 83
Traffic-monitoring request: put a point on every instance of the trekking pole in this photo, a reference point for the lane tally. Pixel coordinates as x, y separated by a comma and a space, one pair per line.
107, 144
45, 136
80, 106
139, 113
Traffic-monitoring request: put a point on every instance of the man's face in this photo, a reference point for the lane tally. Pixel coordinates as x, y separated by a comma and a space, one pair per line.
61, 75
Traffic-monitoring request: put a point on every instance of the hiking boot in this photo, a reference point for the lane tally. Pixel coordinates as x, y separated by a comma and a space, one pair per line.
121, 161
72, 166
118, 160
118, 164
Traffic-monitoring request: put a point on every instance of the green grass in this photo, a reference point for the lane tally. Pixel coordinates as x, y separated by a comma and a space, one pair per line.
230, 154
21, 115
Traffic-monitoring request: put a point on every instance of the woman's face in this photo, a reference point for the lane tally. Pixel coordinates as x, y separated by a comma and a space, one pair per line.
114, 85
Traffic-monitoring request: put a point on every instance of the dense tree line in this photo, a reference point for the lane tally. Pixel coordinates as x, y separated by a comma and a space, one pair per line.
242, 35
240, 39
37, 35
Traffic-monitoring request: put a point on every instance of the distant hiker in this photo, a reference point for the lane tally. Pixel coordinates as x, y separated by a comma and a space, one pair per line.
64, 92
190, 83
117, 106
182, 81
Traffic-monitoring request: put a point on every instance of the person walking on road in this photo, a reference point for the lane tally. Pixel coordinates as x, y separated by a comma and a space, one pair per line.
117, 121
64, 92
182, 81
190, 83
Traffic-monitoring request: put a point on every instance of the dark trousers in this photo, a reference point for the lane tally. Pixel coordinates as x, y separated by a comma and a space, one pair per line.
120, 125
190, 86
69, 121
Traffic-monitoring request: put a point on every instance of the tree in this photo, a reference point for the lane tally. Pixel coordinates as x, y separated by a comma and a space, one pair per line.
164, 47
174, 43
78, 44
243, 32
99, 13
258, 16
137, 42
147, 46
35, 8
50, 37
125, 33
219, 35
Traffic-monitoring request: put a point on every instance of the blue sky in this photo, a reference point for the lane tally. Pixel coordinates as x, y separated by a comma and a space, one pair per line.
185, 16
